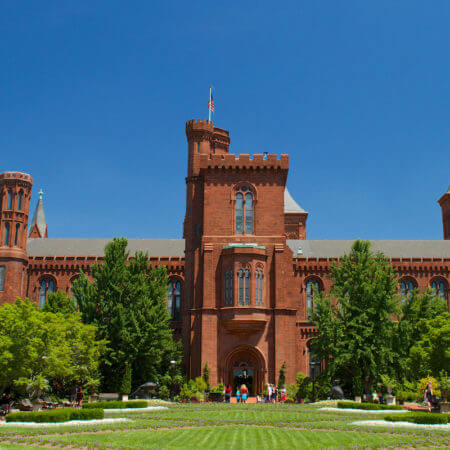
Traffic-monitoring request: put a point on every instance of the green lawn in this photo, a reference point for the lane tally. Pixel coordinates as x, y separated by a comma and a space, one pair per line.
229, 426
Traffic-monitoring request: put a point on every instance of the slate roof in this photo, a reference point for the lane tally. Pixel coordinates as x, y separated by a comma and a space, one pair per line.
94, 247
290, 205
391, 248
39, 218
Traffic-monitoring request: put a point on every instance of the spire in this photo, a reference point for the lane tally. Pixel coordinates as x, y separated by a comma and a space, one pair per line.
290, 205
38, 228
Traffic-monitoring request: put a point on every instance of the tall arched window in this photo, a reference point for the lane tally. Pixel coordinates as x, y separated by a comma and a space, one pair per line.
244, 287
244, 211
407, 286
2, 277
9, 201
439, 288
259, 279
229, 288
47, 286
174, 299
16, 235
19, 201
310, 292
6, 238
314, 361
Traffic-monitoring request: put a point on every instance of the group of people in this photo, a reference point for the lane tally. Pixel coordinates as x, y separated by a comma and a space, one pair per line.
6, 403
273, 394
241, 394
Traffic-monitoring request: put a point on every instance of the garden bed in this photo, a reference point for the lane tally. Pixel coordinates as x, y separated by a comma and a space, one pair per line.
56, 415
364, 411
116, 404
405, 424
62, 424
368, 406
148, 408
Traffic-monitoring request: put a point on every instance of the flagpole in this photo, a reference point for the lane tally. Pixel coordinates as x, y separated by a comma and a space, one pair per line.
209, 105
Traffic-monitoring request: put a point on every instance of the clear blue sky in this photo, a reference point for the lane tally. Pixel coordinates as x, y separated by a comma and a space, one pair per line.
95, 95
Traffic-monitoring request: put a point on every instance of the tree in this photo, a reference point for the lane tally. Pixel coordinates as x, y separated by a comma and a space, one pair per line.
40, 348
356, 320
59, 302
431, 353
126, 301
206, 375
410, 328
282, 376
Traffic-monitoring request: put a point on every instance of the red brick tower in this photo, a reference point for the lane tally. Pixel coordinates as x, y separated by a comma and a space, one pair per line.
444, 201
238, 305
15, 193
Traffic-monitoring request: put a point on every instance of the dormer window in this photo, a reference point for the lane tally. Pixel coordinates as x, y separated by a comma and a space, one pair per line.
244, 211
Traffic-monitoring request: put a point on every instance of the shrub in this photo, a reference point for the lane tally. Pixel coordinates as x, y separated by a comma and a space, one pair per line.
418, 417
422, 385
291, 390
125, 385
56, 415
116, 404
164, 392
303, 386
289, 400
406, 396
368, 406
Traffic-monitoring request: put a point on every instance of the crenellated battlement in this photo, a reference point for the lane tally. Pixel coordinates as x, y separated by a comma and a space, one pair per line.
14, 176
232, 161
199, 125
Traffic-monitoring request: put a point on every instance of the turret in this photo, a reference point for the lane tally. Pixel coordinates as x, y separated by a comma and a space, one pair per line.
444, 201
15, 193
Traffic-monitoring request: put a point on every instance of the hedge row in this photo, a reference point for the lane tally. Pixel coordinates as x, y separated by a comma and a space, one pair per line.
419, 417
113, 404
368, 406
56, 415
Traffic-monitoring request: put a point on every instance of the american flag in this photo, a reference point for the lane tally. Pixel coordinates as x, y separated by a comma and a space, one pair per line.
211, 103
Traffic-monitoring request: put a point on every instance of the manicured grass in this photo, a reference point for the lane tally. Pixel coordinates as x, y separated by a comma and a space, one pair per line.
231, 426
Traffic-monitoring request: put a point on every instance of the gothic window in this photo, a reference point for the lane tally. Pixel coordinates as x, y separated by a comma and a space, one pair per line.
174, 299
439, 288
9, 201
19, 201
244, 211
16, 234
310, 293
6, 239
314, 361
229, 288
47, 286
247, 287
241, 286
407, 286
2, 278
259, 277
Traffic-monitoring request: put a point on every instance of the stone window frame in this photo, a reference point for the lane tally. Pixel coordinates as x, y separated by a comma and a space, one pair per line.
42, 278
248, 189
406, 293
445, 284
320, 288
174, 314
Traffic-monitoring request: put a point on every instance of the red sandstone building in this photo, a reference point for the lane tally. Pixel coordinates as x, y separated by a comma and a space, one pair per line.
241, 280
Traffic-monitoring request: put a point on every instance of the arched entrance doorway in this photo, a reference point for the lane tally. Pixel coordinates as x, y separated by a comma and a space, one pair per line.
245, 365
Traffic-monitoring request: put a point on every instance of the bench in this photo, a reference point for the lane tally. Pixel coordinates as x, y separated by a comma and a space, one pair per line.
108, 396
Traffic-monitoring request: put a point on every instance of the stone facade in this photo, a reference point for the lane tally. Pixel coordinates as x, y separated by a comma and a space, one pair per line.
241, 278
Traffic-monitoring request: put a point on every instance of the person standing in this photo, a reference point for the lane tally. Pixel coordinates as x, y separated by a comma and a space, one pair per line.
428, 397
238, 395
79, 396
244, 393
227, 394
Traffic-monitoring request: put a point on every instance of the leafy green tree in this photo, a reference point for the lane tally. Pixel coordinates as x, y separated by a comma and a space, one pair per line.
40, 349
59, 302
126, 301
409, 329
282, 376
431, 353
356, 320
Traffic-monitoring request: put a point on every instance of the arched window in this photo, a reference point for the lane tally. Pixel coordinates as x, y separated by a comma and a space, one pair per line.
19, 201
259, 279
6, 239
9, 202
174, 299
16, 234
439, 288
229, 288
310, 293
2, 277
244, 287
47, 286
407, 286
244, 211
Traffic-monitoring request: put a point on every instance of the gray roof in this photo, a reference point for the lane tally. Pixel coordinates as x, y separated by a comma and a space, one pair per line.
392, 249
95, 247
290, 205
39, 218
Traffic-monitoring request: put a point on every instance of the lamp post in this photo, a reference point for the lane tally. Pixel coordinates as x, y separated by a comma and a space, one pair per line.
312, 371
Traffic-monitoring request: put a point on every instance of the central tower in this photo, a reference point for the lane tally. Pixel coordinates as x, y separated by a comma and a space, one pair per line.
237, 294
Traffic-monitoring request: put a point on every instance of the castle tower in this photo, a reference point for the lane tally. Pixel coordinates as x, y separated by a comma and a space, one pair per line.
444, 201
38, 227
15, 193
